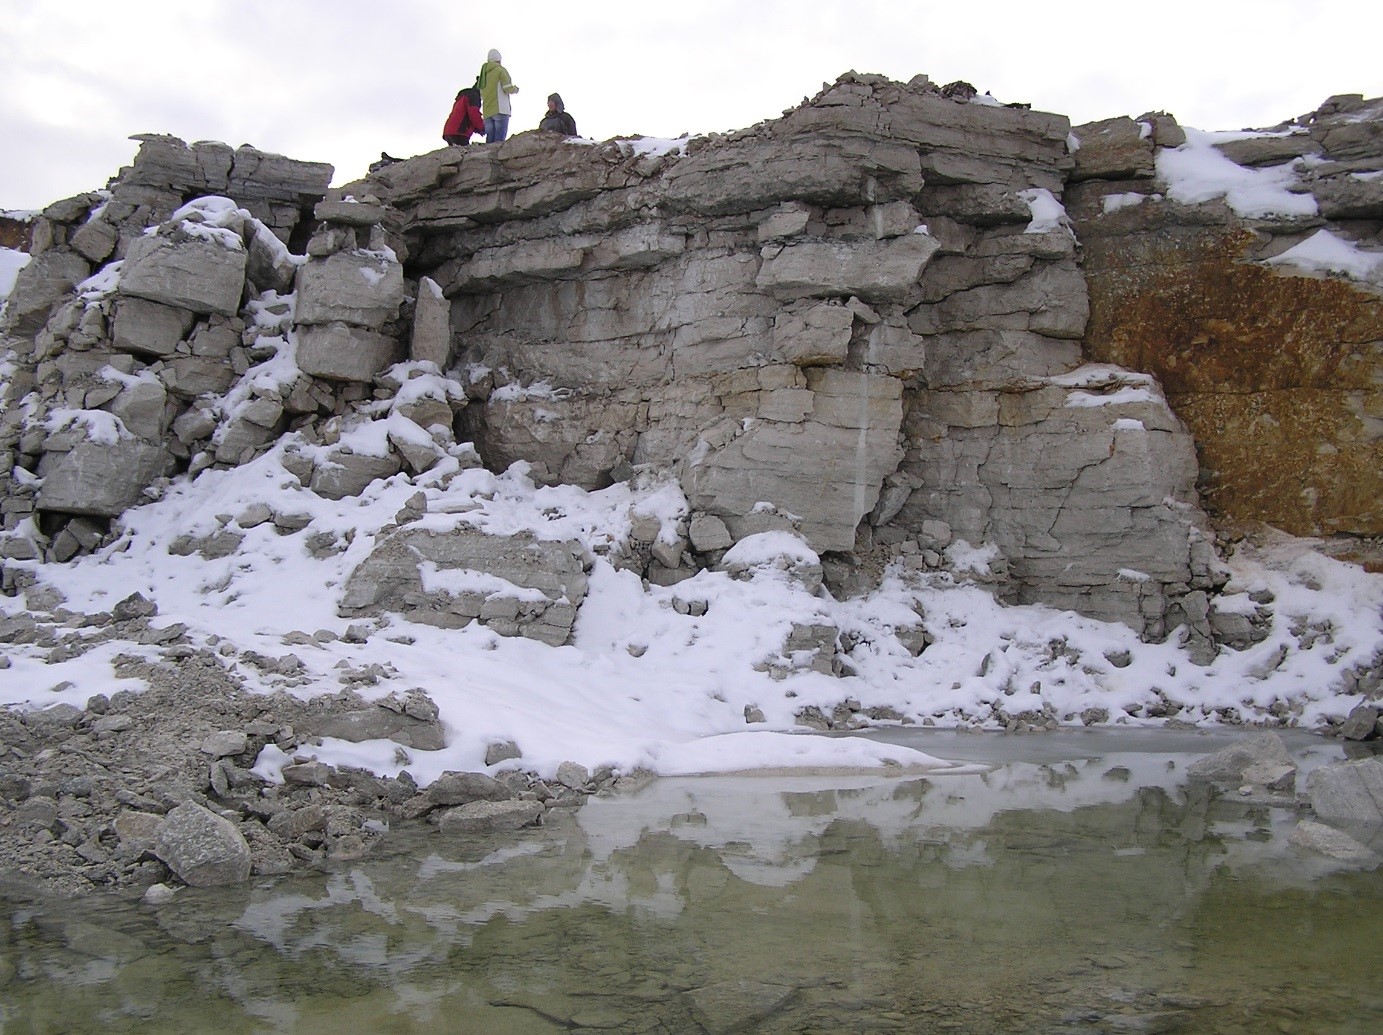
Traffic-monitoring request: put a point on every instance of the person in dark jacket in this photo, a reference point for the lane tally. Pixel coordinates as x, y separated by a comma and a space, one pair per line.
557, 120
465, 118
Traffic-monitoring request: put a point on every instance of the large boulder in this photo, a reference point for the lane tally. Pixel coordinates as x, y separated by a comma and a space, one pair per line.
203, 274
488, 817
516, 585
44, 281
431, 340
379, 723
875, 271
1229, 764
342, 352
149, 328
361, 288
103, 479
1114, 149
1350, 796
202, 848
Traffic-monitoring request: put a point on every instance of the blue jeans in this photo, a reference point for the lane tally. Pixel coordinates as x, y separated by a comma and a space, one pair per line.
496, 128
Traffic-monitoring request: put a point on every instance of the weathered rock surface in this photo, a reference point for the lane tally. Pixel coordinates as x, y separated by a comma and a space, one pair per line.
878, 291
868, 323
516, 585
1228, 765
865, 316
1273, 369
1350, 796
484, 817
185, 272
102, 478
202, 848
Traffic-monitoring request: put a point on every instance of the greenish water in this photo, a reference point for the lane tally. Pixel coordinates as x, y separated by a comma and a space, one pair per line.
1078, 886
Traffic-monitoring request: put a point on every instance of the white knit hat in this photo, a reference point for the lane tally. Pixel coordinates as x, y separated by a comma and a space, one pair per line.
494, 55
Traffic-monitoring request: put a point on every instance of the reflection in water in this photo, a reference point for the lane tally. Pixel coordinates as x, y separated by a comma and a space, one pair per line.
1064, 890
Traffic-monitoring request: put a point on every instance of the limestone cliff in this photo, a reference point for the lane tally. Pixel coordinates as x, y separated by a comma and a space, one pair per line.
862, 320
870, 321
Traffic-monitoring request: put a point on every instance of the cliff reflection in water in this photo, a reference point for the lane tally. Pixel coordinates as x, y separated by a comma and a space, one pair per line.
1091, 892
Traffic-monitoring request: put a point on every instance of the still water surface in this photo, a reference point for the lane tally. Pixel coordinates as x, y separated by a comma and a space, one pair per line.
1077, 885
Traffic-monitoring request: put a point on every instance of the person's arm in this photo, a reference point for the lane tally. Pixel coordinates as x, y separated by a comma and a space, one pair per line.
507, 84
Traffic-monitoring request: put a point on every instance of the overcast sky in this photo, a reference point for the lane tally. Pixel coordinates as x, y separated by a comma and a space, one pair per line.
340, 81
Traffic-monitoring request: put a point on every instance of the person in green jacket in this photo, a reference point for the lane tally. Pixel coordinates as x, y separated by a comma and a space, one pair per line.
495, 88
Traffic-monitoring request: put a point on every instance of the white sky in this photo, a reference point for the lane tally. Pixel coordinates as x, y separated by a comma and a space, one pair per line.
341, 81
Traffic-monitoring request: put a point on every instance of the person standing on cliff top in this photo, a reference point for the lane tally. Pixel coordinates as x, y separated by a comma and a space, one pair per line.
495, 88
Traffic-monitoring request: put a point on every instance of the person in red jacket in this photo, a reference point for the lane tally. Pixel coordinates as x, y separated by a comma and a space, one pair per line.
465, 118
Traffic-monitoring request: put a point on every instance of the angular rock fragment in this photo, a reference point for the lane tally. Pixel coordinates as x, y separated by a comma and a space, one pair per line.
483, 817
202, 848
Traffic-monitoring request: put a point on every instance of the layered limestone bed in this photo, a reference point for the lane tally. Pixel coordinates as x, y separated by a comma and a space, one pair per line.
868, 328
861, 321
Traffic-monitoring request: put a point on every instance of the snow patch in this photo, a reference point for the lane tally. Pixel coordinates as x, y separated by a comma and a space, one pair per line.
1197, 172
11, 262
1047, 212
1324, 252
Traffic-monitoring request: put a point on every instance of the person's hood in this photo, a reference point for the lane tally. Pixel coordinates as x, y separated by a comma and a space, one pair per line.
556, 98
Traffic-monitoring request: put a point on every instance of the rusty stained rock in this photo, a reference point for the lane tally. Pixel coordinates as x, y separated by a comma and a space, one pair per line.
1275, 374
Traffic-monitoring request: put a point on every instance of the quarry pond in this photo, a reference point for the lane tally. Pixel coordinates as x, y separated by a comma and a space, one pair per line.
1068, 882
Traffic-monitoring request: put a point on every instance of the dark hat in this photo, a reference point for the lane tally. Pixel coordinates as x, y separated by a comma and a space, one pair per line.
556, 98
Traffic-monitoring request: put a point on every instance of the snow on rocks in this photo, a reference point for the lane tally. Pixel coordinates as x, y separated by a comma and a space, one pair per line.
631, 505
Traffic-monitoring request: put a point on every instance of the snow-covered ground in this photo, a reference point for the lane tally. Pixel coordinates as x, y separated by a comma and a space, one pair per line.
645, 685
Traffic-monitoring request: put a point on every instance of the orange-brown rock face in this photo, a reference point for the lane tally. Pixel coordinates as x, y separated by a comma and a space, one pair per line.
14, 233
1276, 374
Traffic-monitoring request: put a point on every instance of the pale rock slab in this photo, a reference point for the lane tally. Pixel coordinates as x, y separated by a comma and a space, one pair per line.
1113, 149
517, 585
44, 281
360, 288
1350, 796
143, 408
814, 335
1327, 841
1227, 766
875, 271
483, 817
149, 328
202, 848
431, 340
103, 479
347, 474
343, 352
185, 272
